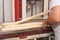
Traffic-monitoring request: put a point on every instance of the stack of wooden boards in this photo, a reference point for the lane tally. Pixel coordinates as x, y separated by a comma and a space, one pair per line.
21, 25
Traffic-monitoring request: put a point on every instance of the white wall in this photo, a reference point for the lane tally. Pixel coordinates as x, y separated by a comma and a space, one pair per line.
8, 10
1, 11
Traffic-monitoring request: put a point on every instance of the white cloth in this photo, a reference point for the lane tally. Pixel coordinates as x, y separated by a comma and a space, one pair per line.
57, 32
52, 4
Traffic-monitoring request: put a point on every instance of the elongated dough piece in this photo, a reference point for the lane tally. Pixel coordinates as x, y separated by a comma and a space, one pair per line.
27, 19
23, 26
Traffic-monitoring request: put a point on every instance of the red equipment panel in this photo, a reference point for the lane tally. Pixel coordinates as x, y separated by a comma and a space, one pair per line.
18, 9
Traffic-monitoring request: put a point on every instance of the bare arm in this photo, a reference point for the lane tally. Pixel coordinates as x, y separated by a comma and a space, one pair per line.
54, 17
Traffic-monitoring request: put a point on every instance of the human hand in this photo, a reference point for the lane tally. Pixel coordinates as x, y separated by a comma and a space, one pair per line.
45, 25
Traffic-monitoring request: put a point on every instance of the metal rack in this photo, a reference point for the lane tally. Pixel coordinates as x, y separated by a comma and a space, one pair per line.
48, 37
34, 6
34, 37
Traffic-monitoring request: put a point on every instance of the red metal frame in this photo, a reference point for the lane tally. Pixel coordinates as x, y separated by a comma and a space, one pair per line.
18, 9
